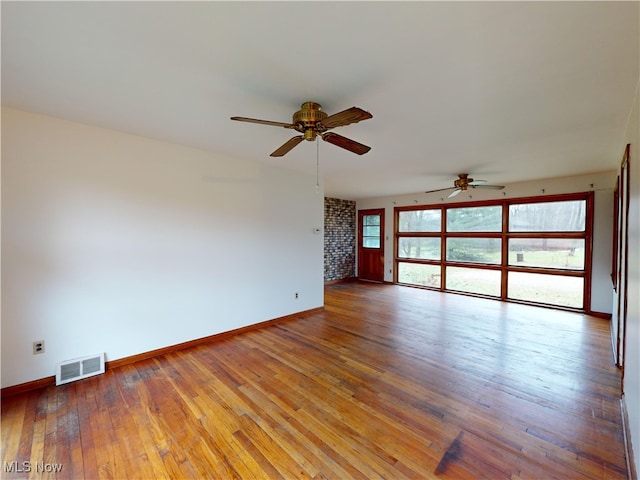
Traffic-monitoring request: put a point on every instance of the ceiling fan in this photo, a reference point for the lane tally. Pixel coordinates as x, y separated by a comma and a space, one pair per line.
463, 182
311, 121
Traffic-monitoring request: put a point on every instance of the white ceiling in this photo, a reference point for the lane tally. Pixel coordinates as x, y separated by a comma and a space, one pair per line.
506, 91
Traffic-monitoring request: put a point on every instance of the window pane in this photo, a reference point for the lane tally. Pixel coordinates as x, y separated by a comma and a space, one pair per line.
474, 280
474, 219
566, 216
371, 242
427, 248
371, 220
419, 221
371, 231
564, 253
415, 274
478, 250
550, 289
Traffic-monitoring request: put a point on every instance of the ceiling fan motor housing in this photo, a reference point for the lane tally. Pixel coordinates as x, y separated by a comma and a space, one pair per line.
463, 181
307, 118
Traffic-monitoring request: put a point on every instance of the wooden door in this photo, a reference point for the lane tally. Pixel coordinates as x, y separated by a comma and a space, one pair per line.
371, 245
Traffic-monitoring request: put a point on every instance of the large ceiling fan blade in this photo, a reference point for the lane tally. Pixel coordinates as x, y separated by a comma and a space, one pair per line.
476, 182
346, 117
263, 122
287, 146
455, 192
346, 143
439, 190
487, 187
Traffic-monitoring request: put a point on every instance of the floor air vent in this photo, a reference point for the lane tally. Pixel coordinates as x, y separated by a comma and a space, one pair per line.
72, 370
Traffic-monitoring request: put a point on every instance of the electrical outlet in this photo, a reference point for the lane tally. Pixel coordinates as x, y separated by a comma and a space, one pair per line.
38, 347
297, 295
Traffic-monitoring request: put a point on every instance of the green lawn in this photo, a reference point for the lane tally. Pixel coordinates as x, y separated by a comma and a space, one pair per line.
542, 288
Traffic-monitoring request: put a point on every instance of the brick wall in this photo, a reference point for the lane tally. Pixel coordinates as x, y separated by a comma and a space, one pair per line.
339, 239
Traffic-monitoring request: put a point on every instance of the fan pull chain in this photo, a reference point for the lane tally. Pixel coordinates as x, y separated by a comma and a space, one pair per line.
317, 165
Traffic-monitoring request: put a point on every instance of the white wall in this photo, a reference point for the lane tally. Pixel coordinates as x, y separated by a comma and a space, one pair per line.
632, 352
121, 244
603, 184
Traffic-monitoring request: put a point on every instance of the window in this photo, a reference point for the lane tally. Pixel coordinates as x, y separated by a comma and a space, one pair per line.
419, 246
564, 253
550, 289
474, 280
419, 274
528, 250
547, 246
567, 216
371, 231
477, 250
416, 247
420, 220
474, 219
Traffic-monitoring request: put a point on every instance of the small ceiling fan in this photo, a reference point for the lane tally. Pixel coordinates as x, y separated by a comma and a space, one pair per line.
311, 121
463, 182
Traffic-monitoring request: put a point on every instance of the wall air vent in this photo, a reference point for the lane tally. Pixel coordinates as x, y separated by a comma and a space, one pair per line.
72, 370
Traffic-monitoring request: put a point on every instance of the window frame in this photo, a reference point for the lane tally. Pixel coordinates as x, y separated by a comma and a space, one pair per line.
504, 236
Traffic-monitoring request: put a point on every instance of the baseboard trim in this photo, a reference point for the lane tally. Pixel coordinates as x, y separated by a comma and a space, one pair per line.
614, 348
341, 280
604, 316
632, 473
28, 386
50, 381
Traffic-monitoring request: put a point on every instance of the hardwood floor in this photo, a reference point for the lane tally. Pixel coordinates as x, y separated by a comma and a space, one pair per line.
388, 382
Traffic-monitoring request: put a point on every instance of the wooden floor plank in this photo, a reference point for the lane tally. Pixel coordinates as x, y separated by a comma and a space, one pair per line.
386, 382
13, 427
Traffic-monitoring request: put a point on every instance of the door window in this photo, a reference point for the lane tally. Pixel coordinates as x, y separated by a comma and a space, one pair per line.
371, 231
